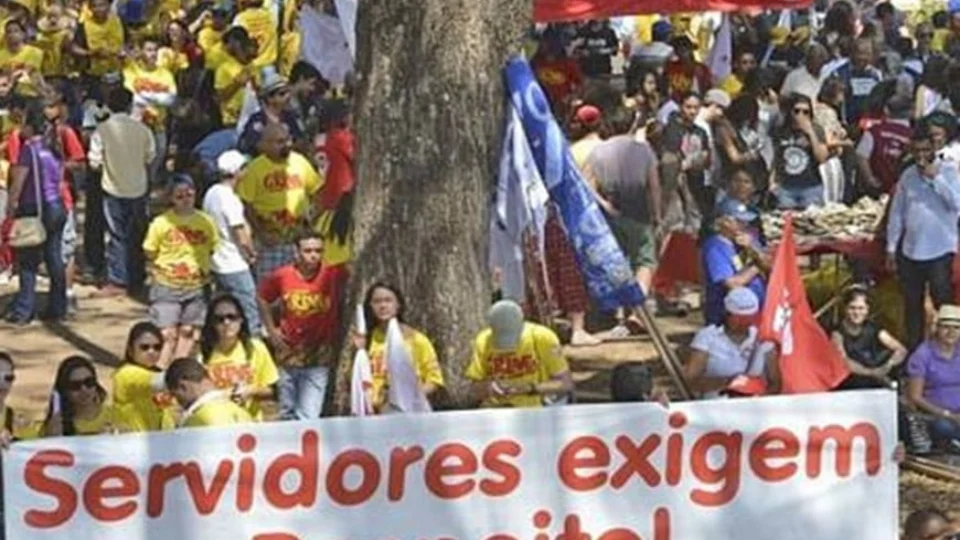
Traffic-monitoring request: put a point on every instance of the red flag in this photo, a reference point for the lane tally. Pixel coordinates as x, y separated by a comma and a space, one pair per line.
809, 362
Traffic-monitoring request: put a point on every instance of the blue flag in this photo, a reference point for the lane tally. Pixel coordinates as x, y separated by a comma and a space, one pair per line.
605, 269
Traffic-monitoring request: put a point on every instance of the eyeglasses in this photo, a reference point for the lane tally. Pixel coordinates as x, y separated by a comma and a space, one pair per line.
802, 111
76, 386
226, 318
146, 347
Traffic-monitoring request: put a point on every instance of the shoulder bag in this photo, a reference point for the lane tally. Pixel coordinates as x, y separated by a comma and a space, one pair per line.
28, 231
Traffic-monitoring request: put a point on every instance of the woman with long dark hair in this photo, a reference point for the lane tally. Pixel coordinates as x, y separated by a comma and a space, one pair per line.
138, 383
35, 191
78, 404
739, 142
235, 360
799, 149
382, 303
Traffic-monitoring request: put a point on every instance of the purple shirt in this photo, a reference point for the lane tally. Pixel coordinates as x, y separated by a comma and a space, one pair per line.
941, 376
51, 171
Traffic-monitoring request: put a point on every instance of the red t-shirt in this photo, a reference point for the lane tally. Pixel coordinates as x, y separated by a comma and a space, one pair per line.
311, 309
337, 150
72, 149
559, 78
682, 78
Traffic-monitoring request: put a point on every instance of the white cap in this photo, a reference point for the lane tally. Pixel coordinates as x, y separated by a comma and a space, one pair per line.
741, 301
506, 321
230, 162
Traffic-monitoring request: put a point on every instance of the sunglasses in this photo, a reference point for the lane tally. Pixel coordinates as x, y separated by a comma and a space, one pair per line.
147, 347
802, 111
226, 318
76, 386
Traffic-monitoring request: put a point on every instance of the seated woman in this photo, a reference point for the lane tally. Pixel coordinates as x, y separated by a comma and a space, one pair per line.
934, 371
381, 304
872, 354
722, 354
79, 405
138, 382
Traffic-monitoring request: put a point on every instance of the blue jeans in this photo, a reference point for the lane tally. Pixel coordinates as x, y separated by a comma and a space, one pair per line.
24, 305
798, 198
241, 285
301, 391
945, 430
125, 219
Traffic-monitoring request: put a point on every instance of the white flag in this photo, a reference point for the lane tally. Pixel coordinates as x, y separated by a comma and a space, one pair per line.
719, 60
361, 379
404, 394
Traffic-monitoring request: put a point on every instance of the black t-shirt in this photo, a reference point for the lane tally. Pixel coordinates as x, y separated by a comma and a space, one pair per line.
796, 165
865, 348
598, 47
686, 141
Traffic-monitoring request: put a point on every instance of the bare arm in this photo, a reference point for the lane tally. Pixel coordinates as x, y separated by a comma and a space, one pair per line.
892, 344
743, 277
18, 178
915, 395
855, 367
821, 152
694, 371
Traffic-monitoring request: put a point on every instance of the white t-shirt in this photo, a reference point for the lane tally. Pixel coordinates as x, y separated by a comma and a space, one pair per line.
802, 82
728, 359
227, 211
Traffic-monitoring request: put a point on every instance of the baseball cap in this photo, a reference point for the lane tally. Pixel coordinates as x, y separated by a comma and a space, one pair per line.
230, 162
506, 323
588, 115
730, 207
948, 314
717, 96
742, 301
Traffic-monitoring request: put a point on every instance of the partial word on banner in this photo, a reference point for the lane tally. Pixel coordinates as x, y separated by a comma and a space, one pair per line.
783, 467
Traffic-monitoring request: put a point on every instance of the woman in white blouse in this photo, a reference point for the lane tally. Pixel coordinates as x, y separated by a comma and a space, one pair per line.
724, 357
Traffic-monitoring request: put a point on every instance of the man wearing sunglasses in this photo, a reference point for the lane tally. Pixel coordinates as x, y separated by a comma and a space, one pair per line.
275, 99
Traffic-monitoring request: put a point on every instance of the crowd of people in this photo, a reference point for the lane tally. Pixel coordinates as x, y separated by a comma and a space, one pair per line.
210, 157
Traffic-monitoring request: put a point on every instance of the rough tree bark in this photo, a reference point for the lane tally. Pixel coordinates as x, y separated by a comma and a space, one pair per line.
428, 121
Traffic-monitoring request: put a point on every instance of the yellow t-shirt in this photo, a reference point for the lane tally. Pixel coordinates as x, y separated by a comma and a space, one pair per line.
109, 418
171, 60
214, 54
939, 41
236, 367
139, 80
290, 44
537, 358
225, 76
144, 408
732, 86
279, 193
421, 351
29, 59
182, 247
106, 37
51, 43
262, 27
218, 412
334, 251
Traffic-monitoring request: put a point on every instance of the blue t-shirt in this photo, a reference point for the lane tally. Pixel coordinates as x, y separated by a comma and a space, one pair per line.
720, 263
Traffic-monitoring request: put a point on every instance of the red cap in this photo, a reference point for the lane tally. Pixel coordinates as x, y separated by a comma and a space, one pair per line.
588, 115
745, 385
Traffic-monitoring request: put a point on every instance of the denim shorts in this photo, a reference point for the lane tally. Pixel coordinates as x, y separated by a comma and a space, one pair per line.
171, 307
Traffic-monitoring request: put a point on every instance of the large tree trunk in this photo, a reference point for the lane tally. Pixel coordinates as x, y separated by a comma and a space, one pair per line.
428, 121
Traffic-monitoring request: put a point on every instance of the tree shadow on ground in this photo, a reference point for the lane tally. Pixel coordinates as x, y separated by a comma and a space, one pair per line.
96, 353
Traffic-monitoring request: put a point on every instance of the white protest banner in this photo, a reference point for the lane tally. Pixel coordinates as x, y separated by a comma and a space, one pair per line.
796, 467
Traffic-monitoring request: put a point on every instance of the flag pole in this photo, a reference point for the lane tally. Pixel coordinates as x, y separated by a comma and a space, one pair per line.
667, 355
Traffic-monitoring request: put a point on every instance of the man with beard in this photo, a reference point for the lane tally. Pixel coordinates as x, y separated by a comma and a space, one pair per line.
277, 188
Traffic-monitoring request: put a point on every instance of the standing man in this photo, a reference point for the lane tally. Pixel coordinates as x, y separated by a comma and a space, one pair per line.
235, 252
806, 79
277, 188
881, 149
922, 231
122, 149
154, 92
304, 336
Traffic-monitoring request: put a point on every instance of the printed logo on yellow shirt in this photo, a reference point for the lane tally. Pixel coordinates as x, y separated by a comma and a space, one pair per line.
178, 236
305, 304
228, 375
281, 181
512, 365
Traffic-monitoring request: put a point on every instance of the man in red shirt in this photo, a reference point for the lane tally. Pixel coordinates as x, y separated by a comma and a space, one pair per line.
684, 74
303, 339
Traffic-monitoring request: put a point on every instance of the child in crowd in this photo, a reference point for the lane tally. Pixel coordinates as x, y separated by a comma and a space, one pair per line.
179, 245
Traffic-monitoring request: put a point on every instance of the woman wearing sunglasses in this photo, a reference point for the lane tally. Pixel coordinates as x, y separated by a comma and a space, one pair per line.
138, 388
79, 404
235, 360
799, 149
